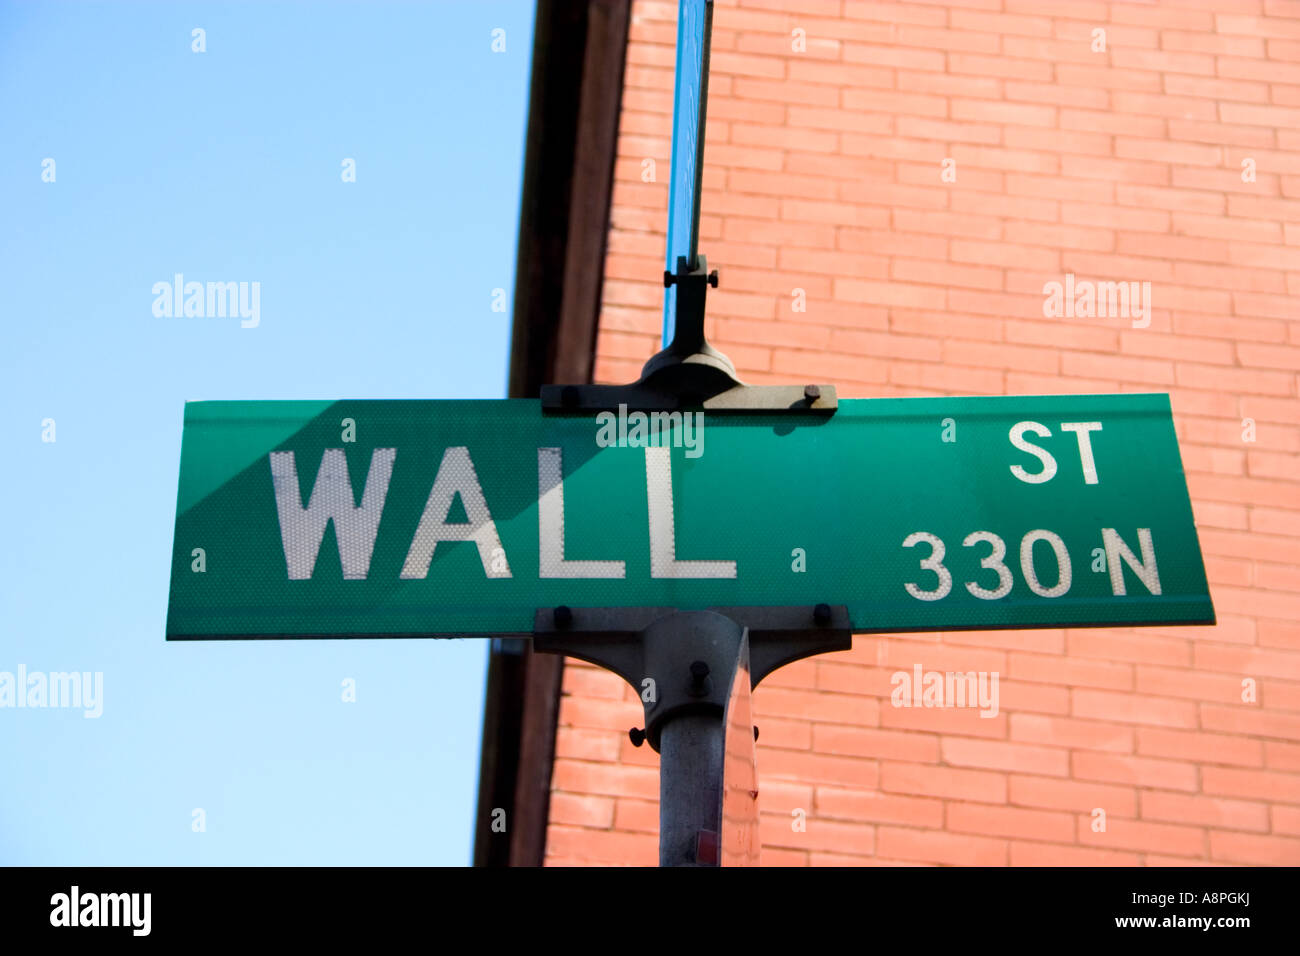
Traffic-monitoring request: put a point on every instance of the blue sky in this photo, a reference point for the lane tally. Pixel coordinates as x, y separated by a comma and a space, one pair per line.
226, 166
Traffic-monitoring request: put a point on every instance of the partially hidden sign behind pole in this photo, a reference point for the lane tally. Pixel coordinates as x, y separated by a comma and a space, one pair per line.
418, 518
738, 843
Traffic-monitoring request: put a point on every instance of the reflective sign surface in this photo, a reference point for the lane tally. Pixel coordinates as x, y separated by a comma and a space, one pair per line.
412, 518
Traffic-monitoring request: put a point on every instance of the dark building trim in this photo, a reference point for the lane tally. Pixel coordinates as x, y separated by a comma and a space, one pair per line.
579, 51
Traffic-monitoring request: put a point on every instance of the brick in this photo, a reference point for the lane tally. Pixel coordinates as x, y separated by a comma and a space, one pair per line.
948, 132
889, 293
783, 91
804, 126
1284, 634
1211, 43
996, 755
999, 66
582, 810
831, 213
1262, 546
1165, 151
586, 744
935, 846
1135, 771
1052, 94
1005, 254
1243, 68
1072, 795
1127, 369
877, 807
900, 57
1125, 834
1061, 670
596, 713
605, 780
811, 705
1114, 217
1248, 660
609, 847
945, 379
893, 12
810, 365
994, 204
1140, 648
1067, 732
906, 652
924, 780
1250, 720
775, 830
1214, 812
1254, 850
1255, 330
1262, 604
1252, 784
1180, 16
1281, 756
1035, 698
1174, 247
1001, 23
782, 796
1222, 134
991, 820
1119, 170
867, 742
943, 324
813, 768
1162, 104
1050, 854
637, 816
1131, 708
1163, 61
1286, 820
885, 345
782, 856
890, 103
1012, 160
1250, 230
884, 242
833, 264
1200, 746
1237, 380
814, 235
1218, 276
1082, 9
1051, 332
1252, 114
1274, 577
971, 720
1144, 342
1176, 200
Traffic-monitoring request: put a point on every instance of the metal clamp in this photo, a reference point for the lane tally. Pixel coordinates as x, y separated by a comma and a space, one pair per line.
654, 644
689, 372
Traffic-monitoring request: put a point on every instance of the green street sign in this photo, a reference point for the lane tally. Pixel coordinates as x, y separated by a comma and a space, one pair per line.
460, 518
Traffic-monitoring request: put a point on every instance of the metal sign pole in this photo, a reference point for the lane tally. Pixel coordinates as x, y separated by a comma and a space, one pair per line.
684, 664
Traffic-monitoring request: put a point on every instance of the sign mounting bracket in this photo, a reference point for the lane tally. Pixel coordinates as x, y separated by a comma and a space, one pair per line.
689, 372
684, 666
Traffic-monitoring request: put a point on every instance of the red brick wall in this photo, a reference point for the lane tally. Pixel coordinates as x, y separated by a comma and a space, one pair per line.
823, 174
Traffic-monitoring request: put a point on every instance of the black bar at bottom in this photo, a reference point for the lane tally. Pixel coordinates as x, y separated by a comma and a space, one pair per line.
977, 907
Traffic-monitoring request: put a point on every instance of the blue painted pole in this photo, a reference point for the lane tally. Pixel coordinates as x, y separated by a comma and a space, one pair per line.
690, 96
